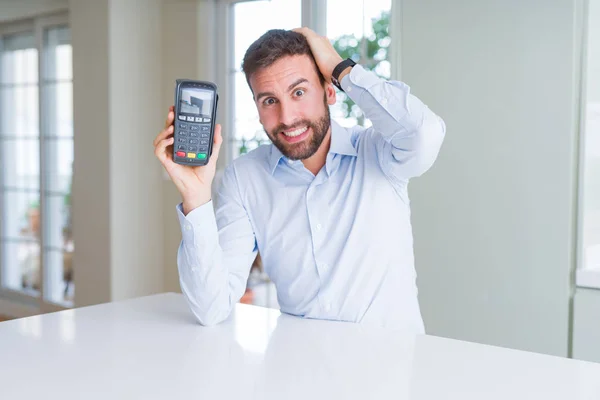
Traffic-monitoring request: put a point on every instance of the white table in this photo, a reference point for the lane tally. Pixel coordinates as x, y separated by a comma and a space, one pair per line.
151, 348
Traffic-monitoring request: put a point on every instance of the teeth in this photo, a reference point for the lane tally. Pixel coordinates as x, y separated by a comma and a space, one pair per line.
296, 132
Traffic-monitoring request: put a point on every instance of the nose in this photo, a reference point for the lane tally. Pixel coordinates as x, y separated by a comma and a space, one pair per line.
287, 113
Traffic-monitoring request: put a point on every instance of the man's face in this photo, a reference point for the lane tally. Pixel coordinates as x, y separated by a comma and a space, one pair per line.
293, 105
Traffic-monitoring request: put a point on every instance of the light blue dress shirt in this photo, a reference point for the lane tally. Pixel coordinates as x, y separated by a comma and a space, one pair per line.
337, 245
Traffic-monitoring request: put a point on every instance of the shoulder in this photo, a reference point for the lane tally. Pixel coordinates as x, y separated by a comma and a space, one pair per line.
256, 160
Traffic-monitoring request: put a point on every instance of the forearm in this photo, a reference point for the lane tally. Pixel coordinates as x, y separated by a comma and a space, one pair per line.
389, 105
408, 133
212, 278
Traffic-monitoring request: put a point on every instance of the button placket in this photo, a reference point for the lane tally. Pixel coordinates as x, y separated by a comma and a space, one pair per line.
312, 222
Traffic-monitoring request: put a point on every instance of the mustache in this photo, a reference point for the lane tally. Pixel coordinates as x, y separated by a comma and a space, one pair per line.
283, 127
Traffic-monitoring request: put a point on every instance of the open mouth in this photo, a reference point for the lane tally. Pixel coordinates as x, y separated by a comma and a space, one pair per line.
295, 135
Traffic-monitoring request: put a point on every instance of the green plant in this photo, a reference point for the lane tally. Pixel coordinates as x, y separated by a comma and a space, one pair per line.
367, 51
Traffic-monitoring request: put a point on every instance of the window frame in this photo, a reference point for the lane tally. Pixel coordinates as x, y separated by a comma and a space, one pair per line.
585, 275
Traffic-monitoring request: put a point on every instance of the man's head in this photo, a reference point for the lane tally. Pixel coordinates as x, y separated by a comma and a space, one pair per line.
290, 92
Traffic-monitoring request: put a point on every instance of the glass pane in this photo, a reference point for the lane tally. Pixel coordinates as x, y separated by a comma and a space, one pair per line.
26, 112
58, 107
59, 165
249, 132
20, 238
57, 54
252, 19
19, 111
21, 266
59, 276
57, 128
20, 215
19, 60
57, 221
362, 36
20, 164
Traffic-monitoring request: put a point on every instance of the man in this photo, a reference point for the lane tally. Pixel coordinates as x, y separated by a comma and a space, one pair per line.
326, 206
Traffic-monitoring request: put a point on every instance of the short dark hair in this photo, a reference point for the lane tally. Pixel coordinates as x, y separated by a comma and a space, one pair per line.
273, 45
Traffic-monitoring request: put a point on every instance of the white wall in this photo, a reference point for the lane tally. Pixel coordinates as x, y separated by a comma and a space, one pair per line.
494, 219
136, 201
91, 165
117, 187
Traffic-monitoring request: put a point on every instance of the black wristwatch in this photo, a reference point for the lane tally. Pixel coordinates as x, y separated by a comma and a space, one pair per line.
338, 70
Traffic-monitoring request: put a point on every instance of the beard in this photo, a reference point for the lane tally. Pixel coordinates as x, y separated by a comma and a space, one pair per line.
306, 148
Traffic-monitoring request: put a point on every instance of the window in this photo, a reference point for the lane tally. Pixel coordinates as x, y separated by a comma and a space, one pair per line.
589, 274
36, 144
358, 29
252, 19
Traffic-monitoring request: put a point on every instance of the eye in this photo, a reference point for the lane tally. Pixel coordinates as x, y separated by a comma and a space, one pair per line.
269, 101
299, 92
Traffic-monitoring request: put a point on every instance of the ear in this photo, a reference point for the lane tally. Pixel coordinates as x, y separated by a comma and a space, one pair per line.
330, 93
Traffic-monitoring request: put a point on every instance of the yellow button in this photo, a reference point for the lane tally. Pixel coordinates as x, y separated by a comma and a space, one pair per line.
192, 155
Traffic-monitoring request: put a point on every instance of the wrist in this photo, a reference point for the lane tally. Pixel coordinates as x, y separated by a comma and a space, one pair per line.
191, 202
345, 72
340, 71
334, 63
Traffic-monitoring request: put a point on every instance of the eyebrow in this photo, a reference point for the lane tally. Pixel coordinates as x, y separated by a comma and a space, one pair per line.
296, 83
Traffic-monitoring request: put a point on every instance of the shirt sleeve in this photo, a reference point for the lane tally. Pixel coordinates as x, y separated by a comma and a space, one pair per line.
407, 134
215, 254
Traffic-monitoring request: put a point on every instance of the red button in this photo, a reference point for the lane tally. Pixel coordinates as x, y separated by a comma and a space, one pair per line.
181, 154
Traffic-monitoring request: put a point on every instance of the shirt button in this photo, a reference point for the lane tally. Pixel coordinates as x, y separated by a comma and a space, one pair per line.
290, 162
325, 265
319, 227
188, 227
384, 101
327, 307
194, 269
349, 89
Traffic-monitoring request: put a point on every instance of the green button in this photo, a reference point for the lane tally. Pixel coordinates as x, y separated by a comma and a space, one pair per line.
201, 156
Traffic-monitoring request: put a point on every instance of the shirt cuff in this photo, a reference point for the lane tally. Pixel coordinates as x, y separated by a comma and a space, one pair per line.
387, 95
198, 224
360, 77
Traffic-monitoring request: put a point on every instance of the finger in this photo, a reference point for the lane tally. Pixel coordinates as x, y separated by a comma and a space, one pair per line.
302, 29
161, 149
307, 32
169, 165
170, 117
218, 140
163, 135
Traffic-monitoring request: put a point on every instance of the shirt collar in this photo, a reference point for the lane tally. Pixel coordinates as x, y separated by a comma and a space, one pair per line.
341, 143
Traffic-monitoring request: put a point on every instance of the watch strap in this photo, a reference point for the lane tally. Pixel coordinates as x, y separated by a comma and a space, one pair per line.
338, 70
